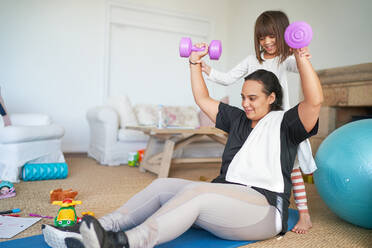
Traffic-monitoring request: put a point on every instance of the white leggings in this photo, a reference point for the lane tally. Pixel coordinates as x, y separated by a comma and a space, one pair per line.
168, 207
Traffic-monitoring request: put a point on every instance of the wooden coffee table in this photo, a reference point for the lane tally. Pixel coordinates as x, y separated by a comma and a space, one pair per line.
159, 161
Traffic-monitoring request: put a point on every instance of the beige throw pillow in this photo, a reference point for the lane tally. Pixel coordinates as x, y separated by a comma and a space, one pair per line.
182, 116
179, 116
147, 114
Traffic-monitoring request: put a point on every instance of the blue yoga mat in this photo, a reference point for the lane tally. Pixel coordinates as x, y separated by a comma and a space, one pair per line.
195, 238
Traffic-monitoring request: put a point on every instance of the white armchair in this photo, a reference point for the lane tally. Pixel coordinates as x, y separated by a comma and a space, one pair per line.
109, 144
31, 137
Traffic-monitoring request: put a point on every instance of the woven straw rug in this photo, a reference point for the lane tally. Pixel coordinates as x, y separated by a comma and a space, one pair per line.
103, 189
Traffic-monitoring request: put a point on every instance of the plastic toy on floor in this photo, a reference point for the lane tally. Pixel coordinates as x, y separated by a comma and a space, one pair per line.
135, 158
6, 189
67, 214
60, 195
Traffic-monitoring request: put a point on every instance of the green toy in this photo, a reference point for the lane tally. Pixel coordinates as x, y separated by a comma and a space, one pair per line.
66, 214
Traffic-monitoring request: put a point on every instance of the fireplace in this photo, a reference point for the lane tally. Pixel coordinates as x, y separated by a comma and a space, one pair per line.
347, 97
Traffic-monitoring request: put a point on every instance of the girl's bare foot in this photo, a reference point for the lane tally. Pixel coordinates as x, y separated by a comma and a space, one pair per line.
304, 224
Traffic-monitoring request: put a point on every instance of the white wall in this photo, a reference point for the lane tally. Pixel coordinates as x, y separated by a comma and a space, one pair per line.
342, 33
52, 57
53, 54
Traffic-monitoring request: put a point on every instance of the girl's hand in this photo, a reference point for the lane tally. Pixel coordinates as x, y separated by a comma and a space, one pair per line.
195, 57
302, 52
206, 68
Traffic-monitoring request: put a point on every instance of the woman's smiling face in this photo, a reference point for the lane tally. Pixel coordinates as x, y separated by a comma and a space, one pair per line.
255, 102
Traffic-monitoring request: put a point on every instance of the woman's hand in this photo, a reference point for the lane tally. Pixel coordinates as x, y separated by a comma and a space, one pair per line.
206, 68
302, 52
195, 57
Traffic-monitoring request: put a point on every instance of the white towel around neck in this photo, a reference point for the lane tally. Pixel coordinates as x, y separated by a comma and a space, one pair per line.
258, 161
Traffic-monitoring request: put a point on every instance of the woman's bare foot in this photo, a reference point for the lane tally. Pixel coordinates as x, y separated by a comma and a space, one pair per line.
304, 224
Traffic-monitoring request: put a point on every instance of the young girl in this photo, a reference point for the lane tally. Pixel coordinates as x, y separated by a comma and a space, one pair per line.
273, 54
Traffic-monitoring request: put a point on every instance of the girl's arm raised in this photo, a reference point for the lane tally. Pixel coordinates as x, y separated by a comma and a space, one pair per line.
309, 108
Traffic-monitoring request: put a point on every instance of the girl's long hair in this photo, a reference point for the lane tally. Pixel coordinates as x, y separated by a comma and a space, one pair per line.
272, 23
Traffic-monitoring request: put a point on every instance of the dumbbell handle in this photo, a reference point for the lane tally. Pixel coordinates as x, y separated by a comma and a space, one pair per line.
197, 49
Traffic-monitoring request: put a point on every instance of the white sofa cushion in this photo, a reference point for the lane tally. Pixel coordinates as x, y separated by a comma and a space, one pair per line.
132, 135
124, 108
23, 119
26, 119
18, 134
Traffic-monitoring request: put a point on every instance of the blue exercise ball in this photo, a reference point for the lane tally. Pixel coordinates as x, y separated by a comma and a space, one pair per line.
344, 175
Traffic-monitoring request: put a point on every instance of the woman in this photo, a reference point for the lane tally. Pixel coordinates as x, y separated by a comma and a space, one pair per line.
254, 181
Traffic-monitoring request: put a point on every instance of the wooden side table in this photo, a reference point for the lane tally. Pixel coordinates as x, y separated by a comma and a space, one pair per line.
159, 161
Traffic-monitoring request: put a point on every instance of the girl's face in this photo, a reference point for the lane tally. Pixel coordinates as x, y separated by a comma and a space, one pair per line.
255, 102
268, 43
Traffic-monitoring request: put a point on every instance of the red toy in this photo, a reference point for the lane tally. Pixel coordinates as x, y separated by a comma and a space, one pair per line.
60, 195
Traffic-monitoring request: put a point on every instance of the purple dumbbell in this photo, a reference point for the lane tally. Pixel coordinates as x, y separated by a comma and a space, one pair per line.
298, 35
186, 47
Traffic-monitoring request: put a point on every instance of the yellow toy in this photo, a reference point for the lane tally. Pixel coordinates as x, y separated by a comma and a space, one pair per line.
66, 214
